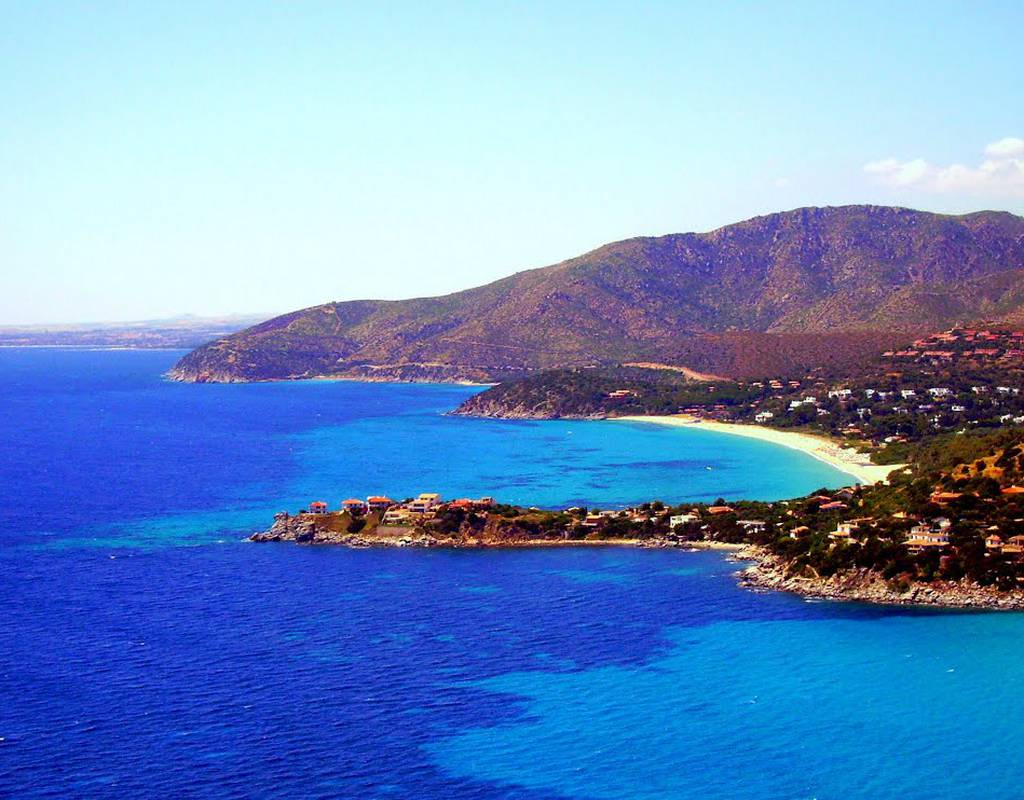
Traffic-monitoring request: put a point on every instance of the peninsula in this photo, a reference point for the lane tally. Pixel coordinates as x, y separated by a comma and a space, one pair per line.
946, 530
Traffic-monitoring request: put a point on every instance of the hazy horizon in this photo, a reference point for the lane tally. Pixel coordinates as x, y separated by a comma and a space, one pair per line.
263, 315
209, 160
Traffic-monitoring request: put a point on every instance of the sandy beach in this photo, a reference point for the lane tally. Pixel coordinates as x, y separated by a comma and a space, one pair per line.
846, 459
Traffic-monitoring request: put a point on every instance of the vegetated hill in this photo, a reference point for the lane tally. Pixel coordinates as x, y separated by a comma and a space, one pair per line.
793, 288
591, 393
1005, 465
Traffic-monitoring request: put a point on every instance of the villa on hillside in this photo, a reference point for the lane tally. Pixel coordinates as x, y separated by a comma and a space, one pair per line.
396, 516
427, 501
682, 519
923, 538
379, 503
844, 532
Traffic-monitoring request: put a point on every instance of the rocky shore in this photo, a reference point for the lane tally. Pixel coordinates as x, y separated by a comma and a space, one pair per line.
865, 586
320, 530
518, 412
197, 369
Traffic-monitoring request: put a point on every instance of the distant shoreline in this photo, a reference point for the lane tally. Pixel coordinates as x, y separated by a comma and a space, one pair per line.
845, 459
360, 379
98, 347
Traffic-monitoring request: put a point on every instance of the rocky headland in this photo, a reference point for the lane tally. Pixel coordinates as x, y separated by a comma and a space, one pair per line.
772, 573
331, 529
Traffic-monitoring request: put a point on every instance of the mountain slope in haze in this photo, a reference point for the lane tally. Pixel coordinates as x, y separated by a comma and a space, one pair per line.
799, 285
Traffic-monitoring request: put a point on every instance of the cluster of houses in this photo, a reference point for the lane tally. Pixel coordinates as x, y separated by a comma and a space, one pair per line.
924, 536
910, 396
422, 507
979, 346
859, 412
933, 535
596, 520
900, 396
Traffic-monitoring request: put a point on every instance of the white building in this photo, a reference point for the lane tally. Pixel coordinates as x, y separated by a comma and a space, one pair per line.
396, 516
682, 519
427, 501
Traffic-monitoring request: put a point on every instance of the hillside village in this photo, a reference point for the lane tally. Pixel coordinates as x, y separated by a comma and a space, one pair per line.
957, 380
954, 380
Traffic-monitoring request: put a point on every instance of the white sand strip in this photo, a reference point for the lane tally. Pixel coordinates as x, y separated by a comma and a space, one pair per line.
845, 459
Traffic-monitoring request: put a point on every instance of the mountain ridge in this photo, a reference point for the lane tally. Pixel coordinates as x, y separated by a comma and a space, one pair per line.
852, 278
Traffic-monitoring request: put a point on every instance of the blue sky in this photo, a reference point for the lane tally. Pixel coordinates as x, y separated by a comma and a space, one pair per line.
160, 158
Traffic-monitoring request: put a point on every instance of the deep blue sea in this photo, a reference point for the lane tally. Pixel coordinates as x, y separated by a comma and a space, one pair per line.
147, 651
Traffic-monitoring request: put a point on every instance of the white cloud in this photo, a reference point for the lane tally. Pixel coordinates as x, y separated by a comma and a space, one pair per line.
1002, 171
1006, 148
782, 183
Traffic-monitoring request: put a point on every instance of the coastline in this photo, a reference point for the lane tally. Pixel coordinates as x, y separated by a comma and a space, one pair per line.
365, 379
770, 573
845, 459
94, 347
173, 376
299, 531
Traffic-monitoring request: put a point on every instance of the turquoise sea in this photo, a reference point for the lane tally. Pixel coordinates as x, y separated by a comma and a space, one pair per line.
147, 651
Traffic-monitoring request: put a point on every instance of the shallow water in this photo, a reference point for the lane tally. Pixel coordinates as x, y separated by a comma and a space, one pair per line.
117, 455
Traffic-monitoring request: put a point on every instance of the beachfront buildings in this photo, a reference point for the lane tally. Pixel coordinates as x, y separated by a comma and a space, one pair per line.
424, 506
427, 501
681, 519
379, 503
397, 516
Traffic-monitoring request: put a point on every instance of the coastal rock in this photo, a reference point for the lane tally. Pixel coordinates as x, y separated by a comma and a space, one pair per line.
862, 585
